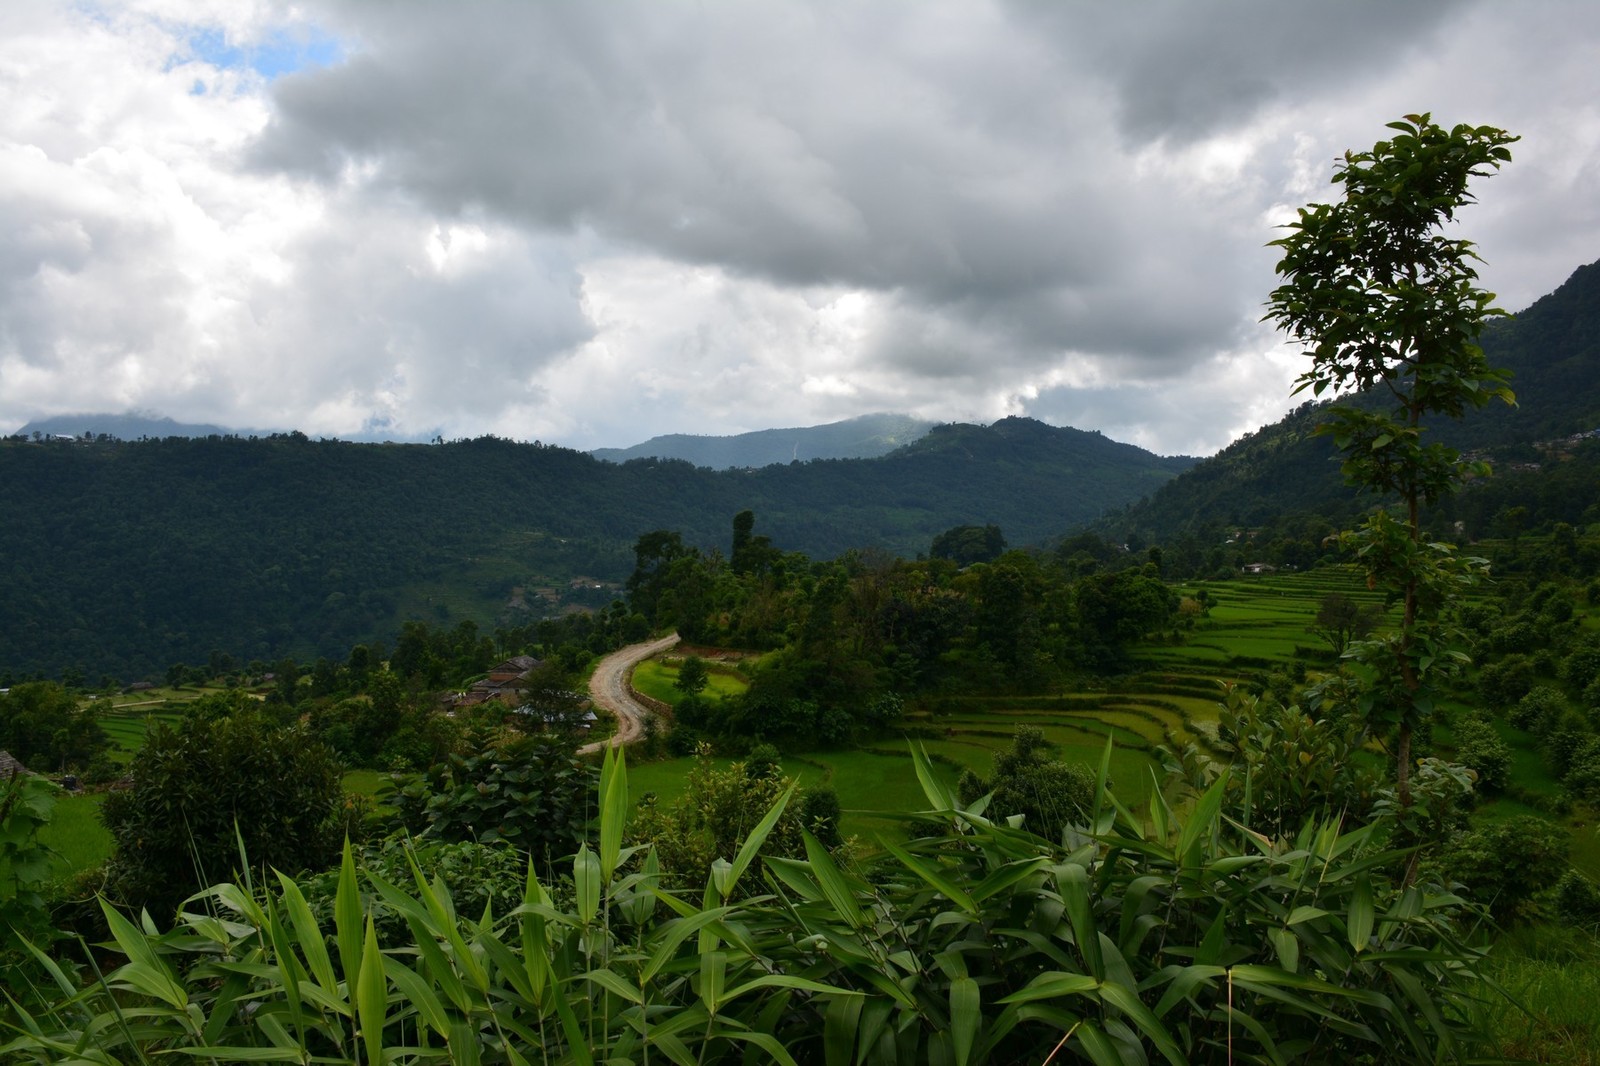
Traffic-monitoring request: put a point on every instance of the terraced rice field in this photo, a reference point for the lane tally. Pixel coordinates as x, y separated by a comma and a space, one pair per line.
1170, 699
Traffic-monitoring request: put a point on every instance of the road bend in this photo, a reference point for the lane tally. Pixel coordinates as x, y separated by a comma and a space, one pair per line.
608, 688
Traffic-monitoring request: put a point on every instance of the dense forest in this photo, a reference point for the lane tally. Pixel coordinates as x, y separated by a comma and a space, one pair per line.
123, 557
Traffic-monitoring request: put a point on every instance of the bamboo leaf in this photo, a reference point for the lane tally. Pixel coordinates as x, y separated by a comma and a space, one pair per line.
1053, 985
941, 884
833, 884
308, 934
756, 838
1203, 819
965, 1014
144, 971
613, 809
347, 916
937, 792
586, 880
1360, 919
419, 993
371, 996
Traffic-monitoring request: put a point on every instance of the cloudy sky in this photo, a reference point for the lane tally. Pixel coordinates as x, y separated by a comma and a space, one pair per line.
589, 223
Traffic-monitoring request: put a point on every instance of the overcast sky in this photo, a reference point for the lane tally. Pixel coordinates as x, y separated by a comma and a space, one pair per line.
589, 223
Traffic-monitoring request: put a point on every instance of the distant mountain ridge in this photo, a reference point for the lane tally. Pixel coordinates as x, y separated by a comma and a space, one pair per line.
863, 437
147, 425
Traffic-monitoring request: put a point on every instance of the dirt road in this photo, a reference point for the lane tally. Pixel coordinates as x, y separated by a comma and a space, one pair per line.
609, 690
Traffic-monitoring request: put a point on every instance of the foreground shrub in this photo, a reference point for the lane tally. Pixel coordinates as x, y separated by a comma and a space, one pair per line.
1148, 938
200, 790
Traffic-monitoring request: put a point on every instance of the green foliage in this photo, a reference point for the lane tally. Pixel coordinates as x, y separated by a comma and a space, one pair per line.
1045, 794
1341, 619
1155, 938
1290, 766
199, 789
529, 792
1578, 902
1388, 305
1481, 748
965, 545
692, 676
44, 726
26, 805
718, 809
1504, 864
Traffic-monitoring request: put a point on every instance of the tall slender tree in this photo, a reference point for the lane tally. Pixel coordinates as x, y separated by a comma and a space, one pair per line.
1386, 303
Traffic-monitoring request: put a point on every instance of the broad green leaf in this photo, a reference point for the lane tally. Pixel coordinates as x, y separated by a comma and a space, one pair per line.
965, 1016
586, 879
144, 970
941, 884
419, 993
308, 935
613, 809
611, 982
372, 996
1202, 820
937, 792
1287, 947
833, 884
1072, 881
1359, 922
756, 838
1053, 985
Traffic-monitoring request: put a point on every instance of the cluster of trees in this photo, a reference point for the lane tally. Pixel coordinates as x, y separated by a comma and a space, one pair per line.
855, 635
48, 728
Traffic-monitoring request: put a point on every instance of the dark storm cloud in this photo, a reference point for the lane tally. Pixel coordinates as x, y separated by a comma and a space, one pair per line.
1183, 70
942, 155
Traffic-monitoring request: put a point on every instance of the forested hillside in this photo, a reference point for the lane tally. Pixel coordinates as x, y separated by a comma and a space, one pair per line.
1552, 350
123, 557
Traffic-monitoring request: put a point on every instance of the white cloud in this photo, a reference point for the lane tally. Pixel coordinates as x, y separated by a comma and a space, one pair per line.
593, 223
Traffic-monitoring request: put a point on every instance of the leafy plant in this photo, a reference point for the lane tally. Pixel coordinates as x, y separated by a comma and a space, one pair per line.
198, 789
1388, 305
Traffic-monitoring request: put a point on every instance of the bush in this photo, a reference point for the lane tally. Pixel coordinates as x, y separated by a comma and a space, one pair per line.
1478, 746
198, 790
529, 792
1503, 865
1048, 795
1578, 901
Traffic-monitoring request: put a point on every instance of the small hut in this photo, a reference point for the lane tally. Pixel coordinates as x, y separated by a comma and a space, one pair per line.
10, 766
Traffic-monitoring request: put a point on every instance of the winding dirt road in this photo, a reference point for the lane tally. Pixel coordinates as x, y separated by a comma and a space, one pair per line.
609, 690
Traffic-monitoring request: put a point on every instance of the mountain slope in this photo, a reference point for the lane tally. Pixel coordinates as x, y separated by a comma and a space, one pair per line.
865, 437
1552, 350
124, 557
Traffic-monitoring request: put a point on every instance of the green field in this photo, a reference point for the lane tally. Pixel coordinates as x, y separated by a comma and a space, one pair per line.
657, 679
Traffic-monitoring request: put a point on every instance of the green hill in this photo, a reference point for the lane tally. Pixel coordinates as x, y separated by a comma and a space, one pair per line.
1553, 352
124, 557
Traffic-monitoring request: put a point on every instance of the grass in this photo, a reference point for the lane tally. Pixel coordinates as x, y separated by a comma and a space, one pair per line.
75, 833
1551, 979
657, 679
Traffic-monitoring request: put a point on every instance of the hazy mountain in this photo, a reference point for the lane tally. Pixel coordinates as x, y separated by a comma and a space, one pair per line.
865, 437
132, 426
140, 425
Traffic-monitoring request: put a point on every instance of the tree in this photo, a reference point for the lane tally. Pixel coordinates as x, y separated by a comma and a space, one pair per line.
1048, 794
692, 676
965, 545
1341, 619
194, 786
44, 726
1388, 305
